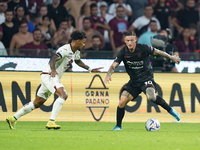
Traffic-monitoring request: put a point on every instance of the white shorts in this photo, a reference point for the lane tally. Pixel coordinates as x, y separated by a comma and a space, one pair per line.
48, 86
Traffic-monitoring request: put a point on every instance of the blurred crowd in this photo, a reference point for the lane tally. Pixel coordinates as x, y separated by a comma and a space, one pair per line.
36, 28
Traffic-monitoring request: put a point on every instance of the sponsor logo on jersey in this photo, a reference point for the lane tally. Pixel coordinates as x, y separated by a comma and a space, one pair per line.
139, 54
135, 64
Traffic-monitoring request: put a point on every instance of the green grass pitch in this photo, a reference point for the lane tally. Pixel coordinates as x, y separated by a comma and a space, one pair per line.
97, 136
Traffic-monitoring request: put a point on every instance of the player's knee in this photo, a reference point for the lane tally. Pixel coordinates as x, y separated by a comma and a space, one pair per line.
38, 104
152, 99
64, 96
122, 104
151, 95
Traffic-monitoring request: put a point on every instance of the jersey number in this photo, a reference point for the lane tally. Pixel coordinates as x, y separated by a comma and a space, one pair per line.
148, 82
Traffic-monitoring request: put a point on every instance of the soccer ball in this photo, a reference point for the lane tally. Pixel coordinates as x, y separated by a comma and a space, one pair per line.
152, 124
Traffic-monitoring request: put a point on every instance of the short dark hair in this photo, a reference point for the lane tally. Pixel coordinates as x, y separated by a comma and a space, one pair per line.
45, 16
36, 29
70, 18
43, 5
129, 33
148, 5
152, 21
86, 18
34, 17
78, 35
63, 20
119, 6
9, 10
17, 7
96, 36
23, 21
93, 5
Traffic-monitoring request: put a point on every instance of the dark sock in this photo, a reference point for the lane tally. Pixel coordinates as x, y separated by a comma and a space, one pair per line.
15, 118
120, 115
160, 101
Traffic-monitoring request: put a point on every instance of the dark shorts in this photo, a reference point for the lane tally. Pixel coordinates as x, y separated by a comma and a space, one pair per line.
136, 88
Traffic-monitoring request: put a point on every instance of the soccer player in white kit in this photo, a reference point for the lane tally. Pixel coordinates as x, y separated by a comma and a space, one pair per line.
50, 80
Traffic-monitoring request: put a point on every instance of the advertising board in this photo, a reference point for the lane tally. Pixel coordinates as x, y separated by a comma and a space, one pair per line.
89, 99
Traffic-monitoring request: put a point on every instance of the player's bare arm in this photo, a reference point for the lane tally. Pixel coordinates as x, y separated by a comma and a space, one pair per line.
81, 64
174, 58
12, 45
110, 72
52, 63
129, 13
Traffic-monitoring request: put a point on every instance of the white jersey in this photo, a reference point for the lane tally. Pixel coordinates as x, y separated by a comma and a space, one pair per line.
142, 21
67, 57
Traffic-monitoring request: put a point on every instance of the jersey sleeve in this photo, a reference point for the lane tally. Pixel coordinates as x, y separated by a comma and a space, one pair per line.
61, 52
120, 56
149, 49
77, 55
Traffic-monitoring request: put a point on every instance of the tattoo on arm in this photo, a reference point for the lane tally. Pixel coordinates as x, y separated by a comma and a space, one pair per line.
111, 71
112, 68
162, 53
53, 61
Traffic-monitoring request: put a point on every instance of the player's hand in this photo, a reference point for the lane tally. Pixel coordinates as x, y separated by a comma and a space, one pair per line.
176, 59
97, 69
53, 73
107, 79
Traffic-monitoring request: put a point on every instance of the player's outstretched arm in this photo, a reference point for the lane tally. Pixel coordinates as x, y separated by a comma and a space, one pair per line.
81, 64
110, 72
174, 58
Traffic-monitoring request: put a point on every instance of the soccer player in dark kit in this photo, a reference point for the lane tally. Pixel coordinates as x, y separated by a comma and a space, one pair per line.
137, 63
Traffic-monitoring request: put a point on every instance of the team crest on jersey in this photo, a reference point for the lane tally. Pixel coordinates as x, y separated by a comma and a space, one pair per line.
139, 54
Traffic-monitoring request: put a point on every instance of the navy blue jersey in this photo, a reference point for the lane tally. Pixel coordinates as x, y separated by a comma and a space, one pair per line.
137, 63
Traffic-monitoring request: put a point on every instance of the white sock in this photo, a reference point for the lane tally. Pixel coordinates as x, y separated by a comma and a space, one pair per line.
27, 108
56, 107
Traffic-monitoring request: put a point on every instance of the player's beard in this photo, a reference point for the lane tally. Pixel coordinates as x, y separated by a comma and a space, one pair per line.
37, 39
81, 48
95, 45
86, 28
130, 47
